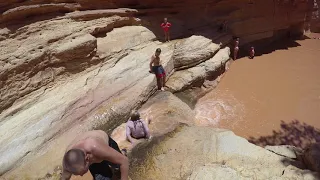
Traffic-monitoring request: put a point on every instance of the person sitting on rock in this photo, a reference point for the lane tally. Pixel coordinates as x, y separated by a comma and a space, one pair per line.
136, 128
157, 69
166, 26
251, 52
94, 151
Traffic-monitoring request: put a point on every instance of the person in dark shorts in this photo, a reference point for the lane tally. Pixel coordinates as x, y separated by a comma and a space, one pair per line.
97, 152
158, 70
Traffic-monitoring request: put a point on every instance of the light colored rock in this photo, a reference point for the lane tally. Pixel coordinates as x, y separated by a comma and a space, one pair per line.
101, 98
193, 51
184, 79
195, 76
38, 9
95, 14
43, 48
186, 153
215, 172
286, 151
127, 38
166, 111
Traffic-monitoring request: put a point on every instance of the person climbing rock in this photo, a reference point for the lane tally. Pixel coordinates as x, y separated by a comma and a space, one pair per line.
136, 128
236, 49
97, 152
157, 69
251, 52
166, 29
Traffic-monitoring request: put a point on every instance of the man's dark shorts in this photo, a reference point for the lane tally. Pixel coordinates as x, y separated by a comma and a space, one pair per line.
159, 71
102, 171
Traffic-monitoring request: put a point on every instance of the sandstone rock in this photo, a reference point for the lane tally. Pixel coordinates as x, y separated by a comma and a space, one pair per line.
215, 172
31, 10
311, 157
95, 14
56, 82
195, 76
193, 152
127, 38
75, 49
166, 111
48, 48
102, 97
193, 51
286, 151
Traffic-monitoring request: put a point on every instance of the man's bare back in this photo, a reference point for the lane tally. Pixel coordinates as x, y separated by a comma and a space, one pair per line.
98, 150
96, 134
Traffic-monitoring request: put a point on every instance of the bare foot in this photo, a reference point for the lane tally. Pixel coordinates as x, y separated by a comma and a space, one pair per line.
162, 89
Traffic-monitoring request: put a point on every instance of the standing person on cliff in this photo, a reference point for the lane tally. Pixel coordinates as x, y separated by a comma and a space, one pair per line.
236, 49
157, 69
166, 29
97, 152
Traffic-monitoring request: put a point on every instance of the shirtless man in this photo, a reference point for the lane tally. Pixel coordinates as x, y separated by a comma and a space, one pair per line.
157, 69
166, 26
94, 151
236, 49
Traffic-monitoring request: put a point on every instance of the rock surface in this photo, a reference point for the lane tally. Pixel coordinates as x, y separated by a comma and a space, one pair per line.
165, 111
206, 153
71, 66
193, 51
286, 151
195, 76
90, 99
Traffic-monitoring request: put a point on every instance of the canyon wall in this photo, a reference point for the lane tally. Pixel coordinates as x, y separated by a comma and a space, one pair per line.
68, 66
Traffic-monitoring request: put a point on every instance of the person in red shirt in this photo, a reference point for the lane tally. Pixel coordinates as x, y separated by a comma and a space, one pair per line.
166, 26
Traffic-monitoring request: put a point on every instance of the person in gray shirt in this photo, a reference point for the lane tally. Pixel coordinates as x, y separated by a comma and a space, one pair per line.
136, 128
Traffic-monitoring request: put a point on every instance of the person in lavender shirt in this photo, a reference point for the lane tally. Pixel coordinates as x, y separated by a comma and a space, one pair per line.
136, 128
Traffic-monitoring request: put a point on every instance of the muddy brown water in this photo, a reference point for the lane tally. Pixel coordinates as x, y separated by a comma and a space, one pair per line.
271, 100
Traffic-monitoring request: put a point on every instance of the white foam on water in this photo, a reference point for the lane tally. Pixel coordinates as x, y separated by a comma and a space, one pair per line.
213, 109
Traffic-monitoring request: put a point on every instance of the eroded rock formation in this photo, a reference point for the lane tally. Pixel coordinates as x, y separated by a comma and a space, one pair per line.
205, 153
71, 66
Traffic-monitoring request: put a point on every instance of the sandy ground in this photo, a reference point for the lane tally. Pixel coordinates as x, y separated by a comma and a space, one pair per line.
273, 98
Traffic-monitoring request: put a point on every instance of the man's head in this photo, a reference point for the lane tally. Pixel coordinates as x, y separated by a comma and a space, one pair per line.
76, 162
165, 20
158, 52
135, 115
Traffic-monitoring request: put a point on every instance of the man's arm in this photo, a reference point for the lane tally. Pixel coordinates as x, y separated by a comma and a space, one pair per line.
102, 150
65, 175
151, 63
